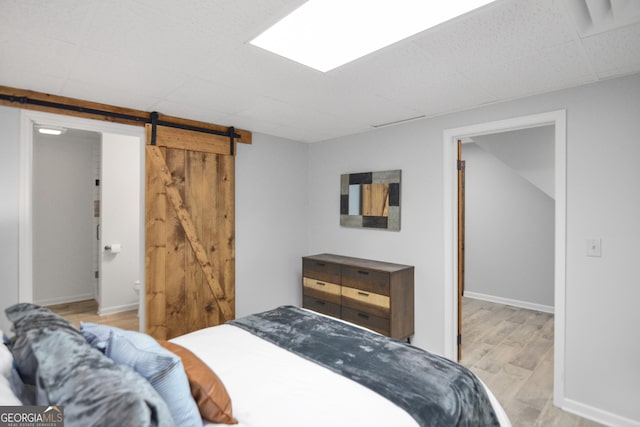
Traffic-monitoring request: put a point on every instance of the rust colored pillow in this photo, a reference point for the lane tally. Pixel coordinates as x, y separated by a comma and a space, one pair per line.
208, 391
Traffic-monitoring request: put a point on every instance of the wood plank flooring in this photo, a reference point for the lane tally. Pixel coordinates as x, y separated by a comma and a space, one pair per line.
511, 350
87, 311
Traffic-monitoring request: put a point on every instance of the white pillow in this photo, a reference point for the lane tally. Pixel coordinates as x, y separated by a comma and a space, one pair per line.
6, 359
7, 398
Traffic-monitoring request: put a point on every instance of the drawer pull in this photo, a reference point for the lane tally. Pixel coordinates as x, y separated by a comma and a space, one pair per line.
363, 272
320, 284
364, 316
320, 264
320, 302
363, 294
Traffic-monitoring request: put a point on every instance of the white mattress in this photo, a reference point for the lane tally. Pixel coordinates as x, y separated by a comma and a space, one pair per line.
270, 386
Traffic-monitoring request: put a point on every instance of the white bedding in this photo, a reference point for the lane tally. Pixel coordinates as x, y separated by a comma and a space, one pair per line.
270, 386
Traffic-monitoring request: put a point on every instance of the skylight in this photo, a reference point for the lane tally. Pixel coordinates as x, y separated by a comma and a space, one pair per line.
325, 34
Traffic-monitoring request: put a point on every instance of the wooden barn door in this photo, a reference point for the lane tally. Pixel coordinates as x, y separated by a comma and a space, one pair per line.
190, 231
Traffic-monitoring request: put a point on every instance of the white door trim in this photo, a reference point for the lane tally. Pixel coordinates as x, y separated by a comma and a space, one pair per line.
450, 136
25, 240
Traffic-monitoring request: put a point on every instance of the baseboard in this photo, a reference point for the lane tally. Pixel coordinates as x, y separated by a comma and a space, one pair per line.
598, 415
117, 309
508, 301
64, 300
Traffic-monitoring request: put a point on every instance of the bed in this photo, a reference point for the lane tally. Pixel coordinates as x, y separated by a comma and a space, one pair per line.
284, 367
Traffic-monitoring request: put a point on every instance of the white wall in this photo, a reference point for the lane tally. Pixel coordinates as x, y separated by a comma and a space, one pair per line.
412, 149
64, 169
9, 209
602, 374
122, 202
271, 223
529, 152
509, 241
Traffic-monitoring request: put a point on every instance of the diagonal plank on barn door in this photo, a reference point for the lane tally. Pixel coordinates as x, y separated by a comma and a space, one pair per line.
176, 246
190, 239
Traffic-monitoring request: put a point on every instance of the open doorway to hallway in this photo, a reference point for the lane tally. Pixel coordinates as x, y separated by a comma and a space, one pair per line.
509, 267
450, 247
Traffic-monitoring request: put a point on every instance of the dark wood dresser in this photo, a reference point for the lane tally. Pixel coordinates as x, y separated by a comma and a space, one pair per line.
377, 295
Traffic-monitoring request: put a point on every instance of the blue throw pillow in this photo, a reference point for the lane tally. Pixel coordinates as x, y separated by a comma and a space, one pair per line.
96, 335
143, 354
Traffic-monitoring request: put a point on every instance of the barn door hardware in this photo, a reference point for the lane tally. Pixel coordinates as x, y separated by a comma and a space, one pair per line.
153, 118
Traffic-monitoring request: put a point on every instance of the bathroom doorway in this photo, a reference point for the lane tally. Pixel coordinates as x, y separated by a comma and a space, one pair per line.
66, 215
119, 253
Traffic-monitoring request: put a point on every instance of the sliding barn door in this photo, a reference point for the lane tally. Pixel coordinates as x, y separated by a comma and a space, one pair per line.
190, 231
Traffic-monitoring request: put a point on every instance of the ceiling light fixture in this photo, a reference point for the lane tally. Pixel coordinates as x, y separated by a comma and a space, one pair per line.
325, 34
50, 130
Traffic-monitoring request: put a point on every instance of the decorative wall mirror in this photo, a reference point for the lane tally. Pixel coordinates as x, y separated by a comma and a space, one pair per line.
370, 200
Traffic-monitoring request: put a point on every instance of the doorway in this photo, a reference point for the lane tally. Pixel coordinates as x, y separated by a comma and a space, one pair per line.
509, 229
122, 209
66, 215
450, 137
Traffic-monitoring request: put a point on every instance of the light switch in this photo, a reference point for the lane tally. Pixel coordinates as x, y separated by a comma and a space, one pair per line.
594, 247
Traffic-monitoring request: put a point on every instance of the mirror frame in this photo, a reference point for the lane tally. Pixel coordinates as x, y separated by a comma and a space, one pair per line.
389, 222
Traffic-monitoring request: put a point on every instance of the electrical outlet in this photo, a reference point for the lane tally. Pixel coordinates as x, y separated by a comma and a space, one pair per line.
594, 247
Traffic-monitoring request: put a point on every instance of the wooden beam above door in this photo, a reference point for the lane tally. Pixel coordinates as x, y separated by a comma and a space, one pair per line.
18, 98
193, 141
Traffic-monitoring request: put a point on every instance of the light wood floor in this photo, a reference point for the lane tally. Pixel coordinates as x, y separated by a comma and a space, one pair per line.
511, 350
87, 311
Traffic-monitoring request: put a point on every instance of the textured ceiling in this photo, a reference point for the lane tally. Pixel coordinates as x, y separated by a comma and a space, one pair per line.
192, 59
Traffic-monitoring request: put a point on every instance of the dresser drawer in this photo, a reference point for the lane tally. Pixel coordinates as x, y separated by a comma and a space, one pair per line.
321, 306
376, 323
365, 279
323, 290
321, 270
365, 301
375, 294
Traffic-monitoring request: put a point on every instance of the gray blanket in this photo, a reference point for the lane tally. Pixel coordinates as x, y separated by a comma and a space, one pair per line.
433, 390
